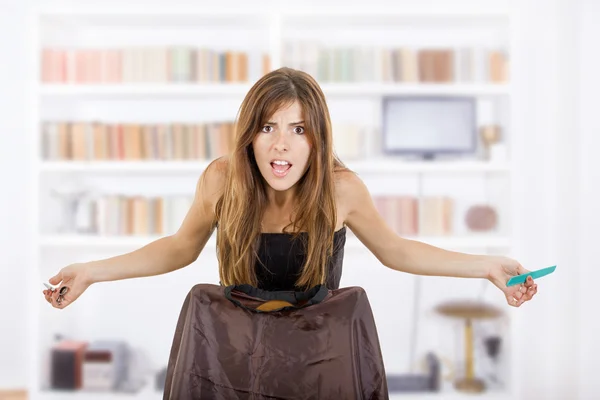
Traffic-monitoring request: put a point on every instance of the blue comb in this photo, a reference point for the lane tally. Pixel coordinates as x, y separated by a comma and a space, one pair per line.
515, 280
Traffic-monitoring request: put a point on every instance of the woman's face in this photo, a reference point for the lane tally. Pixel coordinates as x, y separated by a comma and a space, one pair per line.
281, 148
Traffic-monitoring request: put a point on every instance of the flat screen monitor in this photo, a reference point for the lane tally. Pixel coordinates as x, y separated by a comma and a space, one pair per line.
426, 126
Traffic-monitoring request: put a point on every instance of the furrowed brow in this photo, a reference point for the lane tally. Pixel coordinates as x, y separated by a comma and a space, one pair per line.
291, 123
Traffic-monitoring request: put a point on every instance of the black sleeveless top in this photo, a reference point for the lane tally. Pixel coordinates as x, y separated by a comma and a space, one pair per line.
281, 259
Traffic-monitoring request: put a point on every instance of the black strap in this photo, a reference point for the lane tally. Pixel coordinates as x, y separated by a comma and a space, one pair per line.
298, 299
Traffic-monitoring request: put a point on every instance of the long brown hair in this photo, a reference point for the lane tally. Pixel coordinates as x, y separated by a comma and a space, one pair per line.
240, 209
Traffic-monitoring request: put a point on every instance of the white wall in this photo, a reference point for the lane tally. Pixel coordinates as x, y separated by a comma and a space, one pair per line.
559, 85
555, 109
547, 189
589, 218
14, 197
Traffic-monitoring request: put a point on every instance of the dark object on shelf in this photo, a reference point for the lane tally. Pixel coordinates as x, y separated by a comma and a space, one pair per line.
469, 310
481, 218
429, 382
274, 350
428, 126
492, 346
67, 365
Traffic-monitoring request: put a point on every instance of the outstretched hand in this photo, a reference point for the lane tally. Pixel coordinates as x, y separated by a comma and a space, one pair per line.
501, 270
74, 278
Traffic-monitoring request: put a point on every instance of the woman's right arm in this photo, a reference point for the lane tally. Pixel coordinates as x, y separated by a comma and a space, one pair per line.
159, 257
171, 252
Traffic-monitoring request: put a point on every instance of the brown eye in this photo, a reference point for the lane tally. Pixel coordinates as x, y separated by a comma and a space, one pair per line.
267, 129
299, 130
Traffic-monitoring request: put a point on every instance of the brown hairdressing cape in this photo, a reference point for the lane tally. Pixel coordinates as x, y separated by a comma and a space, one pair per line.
241, 342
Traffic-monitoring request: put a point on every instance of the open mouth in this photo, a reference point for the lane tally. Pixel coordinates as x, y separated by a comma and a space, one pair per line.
280, 168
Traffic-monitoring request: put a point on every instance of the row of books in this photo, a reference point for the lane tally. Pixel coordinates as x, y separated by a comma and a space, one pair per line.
96, 141
147, 65
115, 214
121, 215
402, 64
412, 216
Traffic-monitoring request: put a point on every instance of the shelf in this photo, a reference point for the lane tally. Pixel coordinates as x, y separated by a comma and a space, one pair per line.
379, 166
240, 89
110, 242
151, 394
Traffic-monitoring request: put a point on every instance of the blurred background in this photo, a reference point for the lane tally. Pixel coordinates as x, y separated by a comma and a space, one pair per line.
473, 123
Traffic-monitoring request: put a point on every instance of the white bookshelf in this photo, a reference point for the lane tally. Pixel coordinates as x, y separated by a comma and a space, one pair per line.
54, 250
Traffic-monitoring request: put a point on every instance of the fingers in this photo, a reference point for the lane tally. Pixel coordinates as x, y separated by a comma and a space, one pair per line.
50, 297
54, 296
530, 292
62, 303
59, 295
522, 294
514, 298
47, 296
529, 282
61, 300
512, 301
56, 279
56, 299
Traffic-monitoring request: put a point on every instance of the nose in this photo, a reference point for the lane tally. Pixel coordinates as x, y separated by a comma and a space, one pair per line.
281, 142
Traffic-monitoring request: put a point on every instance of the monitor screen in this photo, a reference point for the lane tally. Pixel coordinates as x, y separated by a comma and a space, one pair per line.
429, 126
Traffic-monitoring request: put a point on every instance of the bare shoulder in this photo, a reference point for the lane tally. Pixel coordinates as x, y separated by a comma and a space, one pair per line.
198, 224
350, 191
212, 181
345, 180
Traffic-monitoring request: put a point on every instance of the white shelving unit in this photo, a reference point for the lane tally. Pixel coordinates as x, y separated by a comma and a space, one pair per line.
54, 250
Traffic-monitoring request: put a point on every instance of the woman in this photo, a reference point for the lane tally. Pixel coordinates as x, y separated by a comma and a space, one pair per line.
283, 182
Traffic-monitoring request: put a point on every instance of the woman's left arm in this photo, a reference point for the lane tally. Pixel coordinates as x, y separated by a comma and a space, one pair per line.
419, 258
